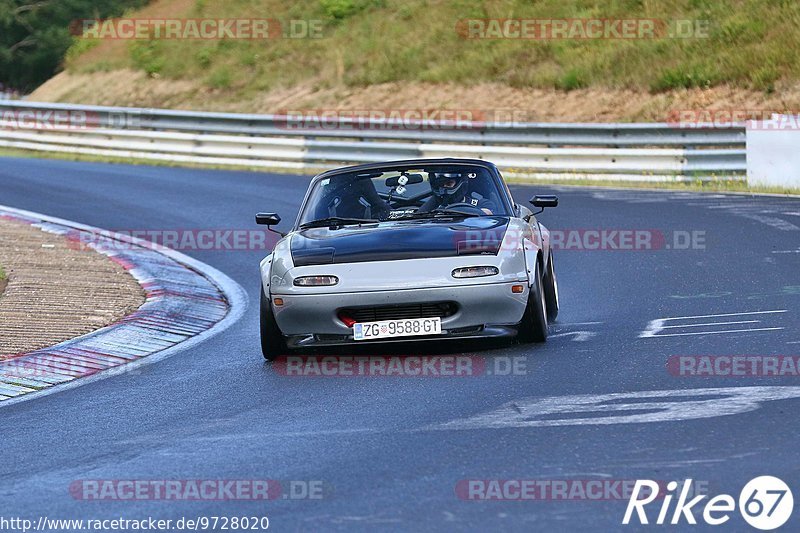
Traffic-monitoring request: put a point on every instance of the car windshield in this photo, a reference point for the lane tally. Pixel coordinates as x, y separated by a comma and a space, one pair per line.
400, 193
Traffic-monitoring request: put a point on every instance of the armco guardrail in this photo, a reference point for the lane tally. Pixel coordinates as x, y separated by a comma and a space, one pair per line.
628, 151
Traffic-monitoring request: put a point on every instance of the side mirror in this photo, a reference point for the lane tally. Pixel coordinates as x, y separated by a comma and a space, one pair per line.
544, 201
268, 219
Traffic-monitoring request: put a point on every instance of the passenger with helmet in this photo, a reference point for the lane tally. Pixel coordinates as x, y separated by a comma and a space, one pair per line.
454, 188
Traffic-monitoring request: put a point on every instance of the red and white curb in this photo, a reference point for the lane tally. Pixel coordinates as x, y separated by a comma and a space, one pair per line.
186, 302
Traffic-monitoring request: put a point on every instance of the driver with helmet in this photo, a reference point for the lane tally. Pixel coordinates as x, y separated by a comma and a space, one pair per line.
453, 188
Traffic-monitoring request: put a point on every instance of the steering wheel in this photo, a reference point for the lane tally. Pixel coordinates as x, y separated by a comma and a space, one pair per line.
463, 207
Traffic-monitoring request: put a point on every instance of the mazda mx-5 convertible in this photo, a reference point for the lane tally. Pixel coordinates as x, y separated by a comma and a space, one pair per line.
408, 250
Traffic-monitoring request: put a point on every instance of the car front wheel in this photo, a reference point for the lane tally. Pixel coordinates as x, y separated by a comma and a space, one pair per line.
273, 344
533, 327
551, 290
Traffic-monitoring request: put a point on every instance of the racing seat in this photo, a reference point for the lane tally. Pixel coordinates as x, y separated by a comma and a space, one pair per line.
353, 199
483, 185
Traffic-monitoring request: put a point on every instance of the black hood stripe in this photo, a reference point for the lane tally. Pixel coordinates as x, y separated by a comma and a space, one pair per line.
398, 240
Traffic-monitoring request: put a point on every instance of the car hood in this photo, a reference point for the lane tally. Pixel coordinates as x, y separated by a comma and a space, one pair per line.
397, 240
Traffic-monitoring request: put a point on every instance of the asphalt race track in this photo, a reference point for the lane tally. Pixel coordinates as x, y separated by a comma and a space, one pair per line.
390, 451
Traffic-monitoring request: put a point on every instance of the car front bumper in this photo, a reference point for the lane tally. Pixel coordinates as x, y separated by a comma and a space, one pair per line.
486, 310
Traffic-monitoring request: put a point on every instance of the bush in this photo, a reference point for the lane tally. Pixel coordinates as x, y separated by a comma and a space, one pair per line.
341, 9
220, 78
570, 81
147, 56
764, 78
683, 78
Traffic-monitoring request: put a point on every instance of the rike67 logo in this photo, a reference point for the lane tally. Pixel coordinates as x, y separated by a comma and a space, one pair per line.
765, 503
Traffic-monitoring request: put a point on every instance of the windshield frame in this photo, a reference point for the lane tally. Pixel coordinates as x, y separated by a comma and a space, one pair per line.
502, 188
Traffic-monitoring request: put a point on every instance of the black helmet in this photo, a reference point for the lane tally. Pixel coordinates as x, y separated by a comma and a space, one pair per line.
452, 194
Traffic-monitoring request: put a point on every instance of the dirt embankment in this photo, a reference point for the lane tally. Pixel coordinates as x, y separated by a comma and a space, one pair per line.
56, 292
136, 89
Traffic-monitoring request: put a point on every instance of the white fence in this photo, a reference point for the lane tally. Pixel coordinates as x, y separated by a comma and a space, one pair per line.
773, 152
593, 151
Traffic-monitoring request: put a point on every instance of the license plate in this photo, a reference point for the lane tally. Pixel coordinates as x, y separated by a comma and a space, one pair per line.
410, 327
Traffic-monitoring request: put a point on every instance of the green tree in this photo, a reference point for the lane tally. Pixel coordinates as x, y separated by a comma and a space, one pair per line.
35, 35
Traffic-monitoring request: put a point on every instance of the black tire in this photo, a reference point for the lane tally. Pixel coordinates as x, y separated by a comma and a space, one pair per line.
273, 344
533, 327
551, 290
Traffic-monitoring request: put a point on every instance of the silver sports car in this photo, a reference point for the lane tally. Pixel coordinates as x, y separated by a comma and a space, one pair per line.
408, 250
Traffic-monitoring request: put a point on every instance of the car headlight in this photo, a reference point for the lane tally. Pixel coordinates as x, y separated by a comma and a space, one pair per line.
316, 281
475, 272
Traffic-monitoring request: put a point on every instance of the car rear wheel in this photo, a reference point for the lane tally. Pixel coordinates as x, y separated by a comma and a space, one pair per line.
273, 344
533, 327
551, 290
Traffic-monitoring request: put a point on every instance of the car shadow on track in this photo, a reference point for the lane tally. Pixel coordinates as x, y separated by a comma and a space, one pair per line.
449, 347
451, 357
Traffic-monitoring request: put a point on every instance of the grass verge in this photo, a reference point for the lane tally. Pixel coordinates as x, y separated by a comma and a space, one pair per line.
718, 186
697, 43
3, 280
710, 186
